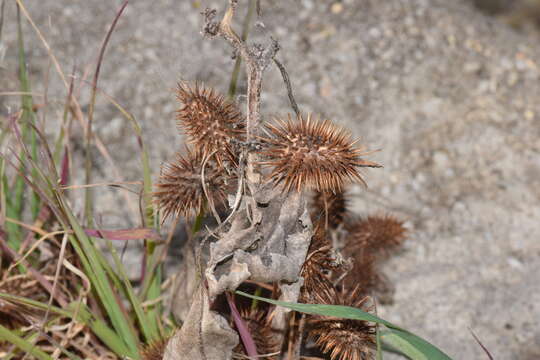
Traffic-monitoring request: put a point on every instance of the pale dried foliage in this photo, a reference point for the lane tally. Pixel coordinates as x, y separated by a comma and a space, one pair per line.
267, 236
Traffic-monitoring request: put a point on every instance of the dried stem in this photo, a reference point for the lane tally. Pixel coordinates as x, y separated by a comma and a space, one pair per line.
257, 59
88, 129
287, 81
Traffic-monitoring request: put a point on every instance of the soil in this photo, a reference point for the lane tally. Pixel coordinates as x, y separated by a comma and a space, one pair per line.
448, 94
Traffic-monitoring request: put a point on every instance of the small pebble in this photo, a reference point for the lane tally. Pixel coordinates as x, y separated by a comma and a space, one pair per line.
337, 8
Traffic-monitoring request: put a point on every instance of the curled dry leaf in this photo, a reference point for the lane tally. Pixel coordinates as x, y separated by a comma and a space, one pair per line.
307, 153
204, 335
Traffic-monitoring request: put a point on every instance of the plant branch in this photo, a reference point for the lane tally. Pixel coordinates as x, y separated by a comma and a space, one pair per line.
257, 58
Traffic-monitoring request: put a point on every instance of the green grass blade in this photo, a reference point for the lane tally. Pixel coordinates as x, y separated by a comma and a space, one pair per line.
154, 292
151, 288
28, 347
379, 355
30, 338
28, 116
339, 311
94, 269
104, 332
411, 345
149, 330
406, 340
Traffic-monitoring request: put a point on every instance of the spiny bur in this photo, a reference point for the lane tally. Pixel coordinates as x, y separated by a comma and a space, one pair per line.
344, 339
211, 123
330, 208
155, 350
266, 339
307, 153
376, 234
180, 188
369, 240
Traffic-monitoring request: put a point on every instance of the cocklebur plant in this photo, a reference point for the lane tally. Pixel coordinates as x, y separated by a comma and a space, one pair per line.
253, 178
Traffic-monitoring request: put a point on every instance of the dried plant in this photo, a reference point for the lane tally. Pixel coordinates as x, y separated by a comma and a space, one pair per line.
181, 190
329, 207
343, 339
211, 123
375, 234
368, 242
298, 155
266, 339
307, 153
13, 315
155, 350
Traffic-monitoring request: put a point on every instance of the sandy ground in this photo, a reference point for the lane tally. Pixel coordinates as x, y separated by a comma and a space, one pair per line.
450, 95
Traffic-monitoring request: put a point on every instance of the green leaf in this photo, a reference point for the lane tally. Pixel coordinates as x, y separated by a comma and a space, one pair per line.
412, 346
402, 340
148, 328
97, 273
379, 349
345, 312
23, 344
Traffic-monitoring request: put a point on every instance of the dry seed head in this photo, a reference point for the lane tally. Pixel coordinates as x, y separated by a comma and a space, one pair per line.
345, 339
312, 154
155, 350
329, 208
267, 340
375, 234
315, 272
210, 122
180, 189
369, 240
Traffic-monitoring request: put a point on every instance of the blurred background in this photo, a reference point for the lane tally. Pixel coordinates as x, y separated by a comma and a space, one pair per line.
449, 91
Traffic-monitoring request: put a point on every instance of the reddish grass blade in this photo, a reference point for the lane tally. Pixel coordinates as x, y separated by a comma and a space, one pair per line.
64, 174
88, 130
490, 357
243, 330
